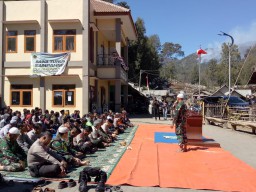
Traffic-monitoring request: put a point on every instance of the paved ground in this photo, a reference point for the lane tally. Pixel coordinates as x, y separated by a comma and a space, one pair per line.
241, 144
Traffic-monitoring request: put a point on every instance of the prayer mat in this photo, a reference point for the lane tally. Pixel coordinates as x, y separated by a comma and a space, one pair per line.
170, 137
150, 164
106, 158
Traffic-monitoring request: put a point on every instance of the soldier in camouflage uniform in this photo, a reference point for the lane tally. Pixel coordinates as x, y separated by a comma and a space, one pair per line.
179, 122
60, 145
12, 156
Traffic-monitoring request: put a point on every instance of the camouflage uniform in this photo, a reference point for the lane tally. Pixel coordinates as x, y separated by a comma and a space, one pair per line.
179, 121
11, 154
70, 144
63, 149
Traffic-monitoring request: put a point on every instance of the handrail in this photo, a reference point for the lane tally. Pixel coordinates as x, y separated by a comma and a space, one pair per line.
109, 59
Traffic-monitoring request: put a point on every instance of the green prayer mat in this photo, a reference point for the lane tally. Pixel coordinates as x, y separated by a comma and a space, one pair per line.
106, 159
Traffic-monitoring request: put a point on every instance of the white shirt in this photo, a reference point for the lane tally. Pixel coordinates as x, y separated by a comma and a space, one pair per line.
5, 130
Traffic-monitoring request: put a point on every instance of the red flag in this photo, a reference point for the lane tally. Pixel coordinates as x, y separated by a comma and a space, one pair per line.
201, 51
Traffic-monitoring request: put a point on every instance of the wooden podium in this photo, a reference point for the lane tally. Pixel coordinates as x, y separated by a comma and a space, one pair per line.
194, 124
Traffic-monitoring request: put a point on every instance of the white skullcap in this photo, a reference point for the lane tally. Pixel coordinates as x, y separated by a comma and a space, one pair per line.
109, 117
63, 129
14, 131
181, 96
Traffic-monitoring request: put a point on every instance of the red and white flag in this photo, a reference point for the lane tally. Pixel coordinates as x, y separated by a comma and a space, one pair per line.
201, 51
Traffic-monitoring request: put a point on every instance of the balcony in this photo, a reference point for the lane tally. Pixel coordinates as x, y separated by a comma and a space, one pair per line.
111, 66
111, 60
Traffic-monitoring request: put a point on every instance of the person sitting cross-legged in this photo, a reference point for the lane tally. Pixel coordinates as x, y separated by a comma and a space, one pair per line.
12, 156
96, 138
6, 128
44, 162
36, 132
82, 141
108, 128
23, 140
72, 134
60, 145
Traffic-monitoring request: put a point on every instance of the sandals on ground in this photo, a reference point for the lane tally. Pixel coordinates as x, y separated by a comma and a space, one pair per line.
37, 189
49, 190
116, 188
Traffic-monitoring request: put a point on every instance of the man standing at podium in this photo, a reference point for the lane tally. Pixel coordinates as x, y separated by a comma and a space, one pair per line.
179, 121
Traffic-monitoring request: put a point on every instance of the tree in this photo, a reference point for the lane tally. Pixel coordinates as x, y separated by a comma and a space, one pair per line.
212, 73
110, 1
249, 65
195, 75
154, 41
142, 53
123, 4
172, 51
235, 63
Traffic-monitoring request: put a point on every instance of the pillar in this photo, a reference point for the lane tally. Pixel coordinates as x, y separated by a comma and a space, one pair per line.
126, 52
118, 36
85, 53
43, 48
125, 92
117, 95
1, 52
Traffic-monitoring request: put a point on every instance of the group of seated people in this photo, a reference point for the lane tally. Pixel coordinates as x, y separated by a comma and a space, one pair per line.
49, 144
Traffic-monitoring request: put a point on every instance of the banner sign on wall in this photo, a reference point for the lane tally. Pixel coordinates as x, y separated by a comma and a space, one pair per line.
46, 64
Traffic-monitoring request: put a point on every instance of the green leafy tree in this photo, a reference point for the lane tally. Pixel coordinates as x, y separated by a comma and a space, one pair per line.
123, 4
195, 75
235, 63
110, 1
212, 73
172, 50
154, 41
249, 65
142, 54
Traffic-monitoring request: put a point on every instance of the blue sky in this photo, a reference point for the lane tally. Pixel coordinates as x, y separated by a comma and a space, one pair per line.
192, 23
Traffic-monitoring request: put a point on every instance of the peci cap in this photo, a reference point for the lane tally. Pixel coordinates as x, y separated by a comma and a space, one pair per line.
63, 129
14, 131
109, 117
180, 95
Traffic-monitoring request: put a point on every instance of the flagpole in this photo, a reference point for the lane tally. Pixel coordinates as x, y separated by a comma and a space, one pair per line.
199, 75
147, 83
199, 53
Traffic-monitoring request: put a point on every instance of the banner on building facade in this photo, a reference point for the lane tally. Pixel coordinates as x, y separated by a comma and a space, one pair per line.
46, 64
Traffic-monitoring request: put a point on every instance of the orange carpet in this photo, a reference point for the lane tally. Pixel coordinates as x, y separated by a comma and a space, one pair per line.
159, 164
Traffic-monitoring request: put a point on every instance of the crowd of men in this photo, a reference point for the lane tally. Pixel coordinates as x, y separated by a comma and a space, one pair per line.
50, 143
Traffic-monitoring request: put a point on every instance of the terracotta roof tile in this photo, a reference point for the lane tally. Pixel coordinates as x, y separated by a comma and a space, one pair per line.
103, 7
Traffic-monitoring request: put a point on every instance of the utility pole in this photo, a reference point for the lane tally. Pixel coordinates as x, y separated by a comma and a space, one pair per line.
142, 71
229, 59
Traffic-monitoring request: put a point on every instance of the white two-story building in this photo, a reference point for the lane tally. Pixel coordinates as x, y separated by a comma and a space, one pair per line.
94, 32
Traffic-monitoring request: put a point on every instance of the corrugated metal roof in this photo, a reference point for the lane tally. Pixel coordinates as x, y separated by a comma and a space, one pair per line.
244, 92
103, 7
